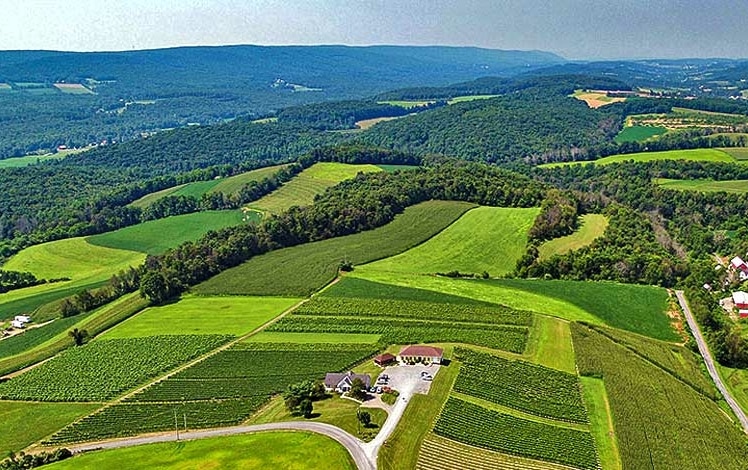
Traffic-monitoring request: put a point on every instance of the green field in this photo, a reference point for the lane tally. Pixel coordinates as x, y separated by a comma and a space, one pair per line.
466, 98
601, 423
308, 338
156, 236
203, 316
483, 239
303, 269
281, 450
300, 191
73, 258
408, 104
704, 186
22, 424
229, 185
739, 153
550, 344
18, 162
639, 133
696, 155
591, 226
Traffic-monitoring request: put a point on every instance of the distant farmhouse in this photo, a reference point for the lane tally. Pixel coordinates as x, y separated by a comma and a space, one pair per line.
740, 267
342, 383
740, 299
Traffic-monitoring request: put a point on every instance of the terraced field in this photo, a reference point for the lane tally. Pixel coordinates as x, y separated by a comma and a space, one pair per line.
704, 186
300, 191
591, 226
484, 239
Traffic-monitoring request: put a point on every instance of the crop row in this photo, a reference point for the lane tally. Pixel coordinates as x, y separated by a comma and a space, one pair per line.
521, 385
660, 422
508, 338
131, 419
474, 425
104, 369
416, 310
212, 389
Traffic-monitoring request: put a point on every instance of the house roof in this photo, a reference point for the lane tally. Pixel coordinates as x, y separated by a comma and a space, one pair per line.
740, 297
421, 351
737, 262
332, 380
386, 357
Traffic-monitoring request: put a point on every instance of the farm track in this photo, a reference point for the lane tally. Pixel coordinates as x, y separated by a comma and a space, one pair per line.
704, 350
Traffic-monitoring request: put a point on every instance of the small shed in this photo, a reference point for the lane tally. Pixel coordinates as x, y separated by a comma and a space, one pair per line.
384, 359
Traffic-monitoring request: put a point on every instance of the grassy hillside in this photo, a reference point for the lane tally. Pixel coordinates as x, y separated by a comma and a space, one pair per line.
639, 133
202, 316
696, 155
705, 186
484, 239
156, 236
300, 191
289, 450
591, 226
300, 270
738, 153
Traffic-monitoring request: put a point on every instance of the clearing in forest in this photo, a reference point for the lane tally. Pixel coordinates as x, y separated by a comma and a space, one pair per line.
591, 226
694, 155
704, 186
73, 89
596, 98
484, 239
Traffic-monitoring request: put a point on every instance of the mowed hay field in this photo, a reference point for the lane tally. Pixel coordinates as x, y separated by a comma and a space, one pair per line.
234, 316
22, 424
591, 226
156, 236
230, 185
301, 270
705, 186
738, 153
695, 155
639, 133
300, 191
484, 239
281, 450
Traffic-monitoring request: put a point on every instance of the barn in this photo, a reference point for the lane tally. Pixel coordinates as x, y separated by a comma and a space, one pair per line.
740, 299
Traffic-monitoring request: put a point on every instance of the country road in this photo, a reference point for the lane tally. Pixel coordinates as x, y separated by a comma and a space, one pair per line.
352, 444
704, 350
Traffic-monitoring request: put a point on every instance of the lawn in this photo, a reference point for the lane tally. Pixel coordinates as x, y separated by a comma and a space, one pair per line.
156, 236
601, 422
550, 344
695, 155
300, 191
203, 316
73, 258
484, 239
298, 271
337, 411
704, 185
22, 424
639, 133
308, 338
281, 450
401, 449
591, 226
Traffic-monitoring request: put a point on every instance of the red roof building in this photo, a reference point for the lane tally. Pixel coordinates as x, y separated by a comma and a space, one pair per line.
384, 359
422, 354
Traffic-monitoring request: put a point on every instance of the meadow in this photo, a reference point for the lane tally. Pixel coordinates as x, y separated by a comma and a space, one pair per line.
696, 155
639, 133
300, 191
22, 424
19, 162
591, 226
704, 186
596, 99
298, 271
286, 450
484, 239
234, 316
369, 123
156, 236
738, 153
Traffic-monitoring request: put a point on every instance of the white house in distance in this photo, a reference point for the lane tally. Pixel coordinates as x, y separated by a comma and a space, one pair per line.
740, 267
343, 382
20, 321
740, 299
421, 354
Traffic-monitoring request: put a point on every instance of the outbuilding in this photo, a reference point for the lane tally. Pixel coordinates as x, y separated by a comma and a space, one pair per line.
384, 359
421, 354
18, 324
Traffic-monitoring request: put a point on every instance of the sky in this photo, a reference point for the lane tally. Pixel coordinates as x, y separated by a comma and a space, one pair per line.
575, 29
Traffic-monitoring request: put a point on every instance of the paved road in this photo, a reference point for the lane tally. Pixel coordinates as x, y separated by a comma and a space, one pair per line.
704, 350
396, 412
354, 446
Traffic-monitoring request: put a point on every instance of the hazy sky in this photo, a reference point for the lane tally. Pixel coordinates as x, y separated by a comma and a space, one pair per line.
572, 28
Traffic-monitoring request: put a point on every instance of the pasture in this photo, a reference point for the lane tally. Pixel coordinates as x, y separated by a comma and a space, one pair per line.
234, 316
300, 191
22, 424
738, 153
300, 270
694, 155
484, 239
639, 133
595, 98
591, 226
286, 450
156, 236
704, 186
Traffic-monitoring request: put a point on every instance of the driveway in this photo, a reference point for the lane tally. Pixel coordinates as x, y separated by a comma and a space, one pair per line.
404, 377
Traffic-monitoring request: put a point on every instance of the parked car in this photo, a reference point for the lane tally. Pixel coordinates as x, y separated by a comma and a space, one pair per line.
372, 389
379, 389
427, 377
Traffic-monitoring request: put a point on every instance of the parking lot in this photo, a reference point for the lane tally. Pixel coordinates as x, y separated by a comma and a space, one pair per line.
410, 378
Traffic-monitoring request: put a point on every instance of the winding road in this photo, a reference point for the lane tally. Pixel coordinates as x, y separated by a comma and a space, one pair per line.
704, 350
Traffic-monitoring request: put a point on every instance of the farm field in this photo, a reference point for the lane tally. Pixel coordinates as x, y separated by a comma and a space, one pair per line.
697, 155
466, 98
22, 424
601, 422
596, 99
738, 153
156, 236
639, 133
591, 227
484, 239
35, 336
550, 344
298, 271
704, 186
286, 450
641, 398
300, 191
308, 338
73, 88
20, 162
369, 123
29, 299
234, 316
